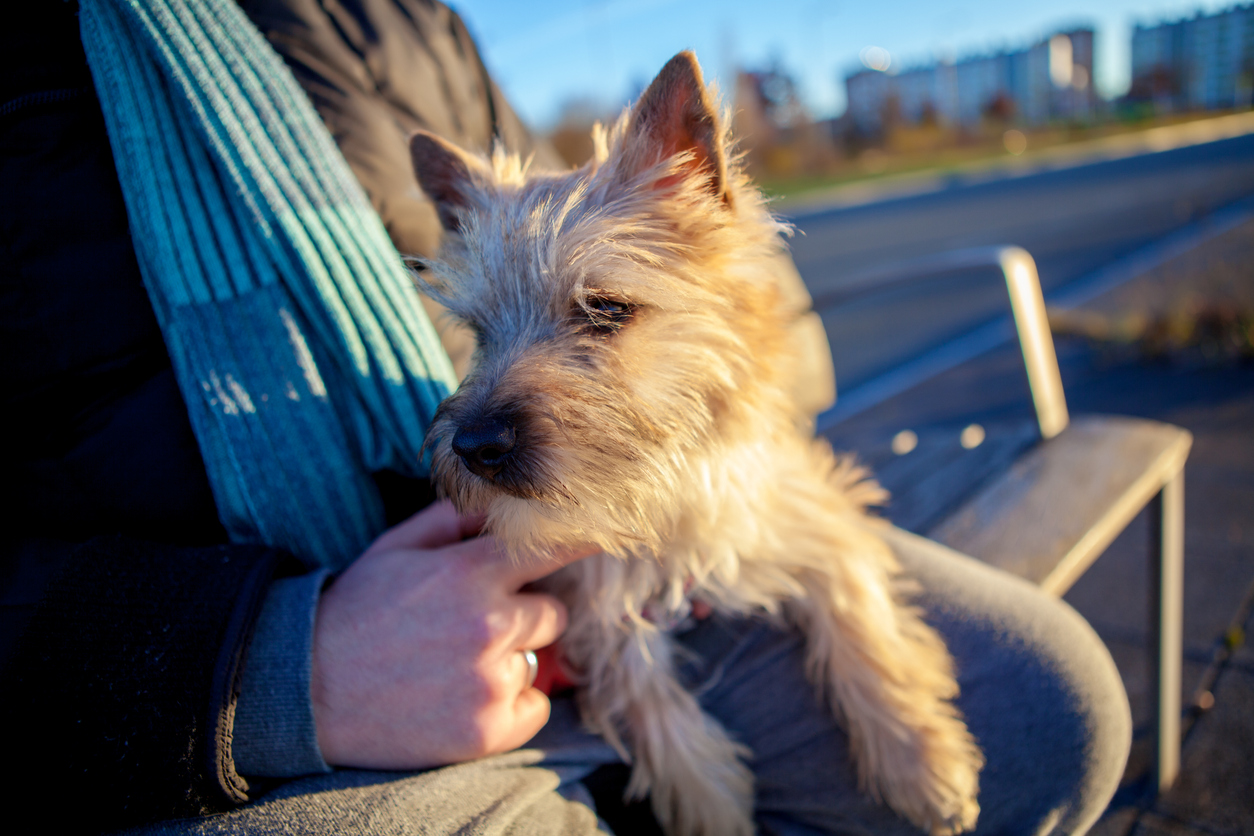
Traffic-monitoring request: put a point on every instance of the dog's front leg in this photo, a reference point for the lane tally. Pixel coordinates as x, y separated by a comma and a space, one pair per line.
681, 756
889, 675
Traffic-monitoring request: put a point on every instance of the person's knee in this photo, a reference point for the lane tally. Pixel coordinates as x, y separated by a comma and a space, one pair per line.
1039, 687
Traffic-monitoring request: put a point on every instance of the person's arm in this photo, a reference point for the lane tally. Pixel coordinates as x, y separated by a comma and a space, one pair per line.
120, 667
380, 70
126, 676
418, 648
120, 690
418, 657
275, 735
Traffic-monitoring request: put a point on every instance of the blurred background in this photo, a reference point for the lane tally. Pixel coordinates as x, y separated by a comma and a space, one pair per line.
897, 130
825, 91
1114, 141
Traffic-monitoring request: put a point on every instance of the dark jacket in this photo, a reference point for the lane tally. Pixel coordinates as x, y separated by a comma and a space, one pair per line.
124, 614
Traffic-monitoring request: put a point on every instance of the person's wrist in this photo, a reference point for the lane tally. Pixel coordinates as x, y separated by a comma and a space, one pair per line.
275, 733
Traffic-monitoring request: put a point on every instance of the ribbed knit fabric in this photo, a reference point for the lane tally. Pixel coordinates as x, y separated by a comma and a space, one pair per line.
275, 734
301, 348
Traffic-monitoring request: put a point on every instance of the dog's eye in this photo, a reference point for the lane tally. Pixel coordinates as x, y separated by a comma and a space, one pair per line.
606, 315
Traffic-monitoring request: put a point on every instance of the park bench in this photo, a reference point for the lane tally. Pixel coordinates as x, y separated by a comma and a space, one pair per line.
1043, 498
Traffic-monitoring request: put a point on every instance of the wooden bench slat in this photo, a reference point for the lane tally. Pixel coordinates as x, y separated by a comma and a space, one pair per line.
929, 494
939, 474
1054, 511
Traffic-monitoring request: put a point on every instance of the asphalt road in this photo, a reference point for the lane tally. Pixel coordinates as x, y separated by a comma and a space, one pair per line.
1073, 221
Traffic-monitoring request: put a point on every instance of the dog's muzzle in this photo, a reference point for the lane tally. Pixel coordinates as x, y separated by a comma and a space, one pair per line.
485, 445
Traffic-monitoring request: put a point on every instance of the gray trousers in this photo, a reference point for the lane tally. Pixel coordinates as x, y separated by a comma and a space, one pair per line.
1039, 692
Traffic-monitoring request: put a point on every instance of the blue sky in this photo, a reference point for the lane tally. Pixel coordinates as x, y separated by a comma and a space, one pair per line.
546, 53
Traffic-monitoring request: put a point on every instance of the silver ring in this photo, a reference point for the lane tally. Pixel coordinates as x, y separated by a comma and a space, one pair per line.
533, 666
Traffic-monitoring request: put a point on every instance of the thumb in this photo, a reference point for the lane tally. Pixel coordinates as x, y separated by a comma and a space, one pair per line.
434, 526
534, 567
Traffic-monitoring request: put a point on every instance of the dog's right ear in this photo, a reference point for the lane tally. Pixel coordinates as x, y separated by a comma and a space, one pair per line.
446, 174
676, 114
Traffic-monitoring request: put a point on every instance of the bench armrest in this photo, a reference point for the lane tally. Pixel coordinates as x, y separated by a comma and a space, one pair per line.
1027, 304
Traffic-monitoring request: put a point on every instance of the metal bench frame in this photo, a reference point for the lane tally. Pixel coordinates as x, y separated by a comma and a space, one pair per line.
1151, 472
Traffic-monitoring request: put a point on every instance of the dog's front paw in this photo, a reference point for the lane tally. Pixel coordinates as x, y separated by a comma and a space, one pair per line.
702, 808
954, 814
938, 790
700, 787
960, 822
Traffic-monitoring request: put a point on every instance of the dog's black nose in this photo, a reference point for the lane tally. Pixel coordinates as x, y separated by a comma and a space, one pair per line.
484, 445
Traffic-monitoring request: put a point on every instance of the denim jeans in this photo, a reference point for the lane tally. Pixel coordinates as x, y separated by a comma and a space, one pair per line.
1039, 691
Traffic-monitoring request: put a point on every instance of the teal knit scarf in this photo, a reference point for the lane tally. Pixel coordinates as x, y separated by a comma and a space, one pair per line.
300, 346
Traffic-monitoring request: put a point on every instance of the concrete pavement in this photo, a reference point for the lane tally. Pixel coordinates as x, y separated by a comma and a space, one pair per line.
1211, 393
1074, 222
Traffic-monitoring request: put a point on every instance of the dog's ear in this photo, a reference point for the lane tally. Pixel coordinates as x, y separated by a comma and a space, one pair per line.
675, 115
446, 174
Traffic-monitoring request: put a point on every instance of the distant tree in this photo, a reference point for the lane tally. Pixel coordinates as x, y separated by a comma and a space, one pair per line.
1000, 108
777, 94
928, 115
890, 114
774, 129
1159, 82
572, 138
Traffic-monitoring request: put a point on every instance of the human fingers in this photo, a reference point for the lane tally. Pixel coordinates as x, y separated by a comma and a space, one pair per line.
434, 526
509, 710
519, 720
533, 567
484, 554
537, 620
531, 712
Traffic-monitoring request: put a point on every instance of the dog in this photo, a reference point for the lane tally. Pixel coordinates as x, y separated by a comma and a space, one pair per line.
630, 389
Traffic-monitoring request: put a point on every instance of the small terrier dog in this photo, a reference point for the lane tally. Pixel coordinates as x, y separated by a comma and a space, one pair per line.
631, 389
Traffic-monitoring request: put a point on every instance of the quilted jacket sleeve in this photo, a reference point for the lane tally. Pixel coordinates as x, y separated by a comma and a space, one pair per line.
123, 684
377, 71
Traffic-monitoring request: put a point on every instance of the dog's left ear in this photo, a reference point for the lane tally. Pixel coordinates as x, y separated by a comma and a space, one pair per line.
675, 115
446, 174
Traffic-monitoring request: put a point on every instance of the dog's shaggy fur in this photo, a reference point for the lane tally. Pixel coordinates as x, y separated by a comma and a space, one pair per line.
631, 390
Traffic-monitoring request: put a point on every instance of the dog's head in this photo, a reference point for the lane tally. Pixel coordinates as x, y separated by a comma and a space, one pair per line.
629, 335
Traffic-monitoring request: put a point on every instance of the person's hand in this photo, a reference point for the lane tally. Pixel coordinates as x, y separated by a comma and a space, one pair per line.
417, 656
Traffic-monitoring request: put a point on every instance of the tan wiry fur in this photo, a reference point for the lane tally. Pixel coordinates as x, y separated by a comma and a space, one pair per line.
660, 428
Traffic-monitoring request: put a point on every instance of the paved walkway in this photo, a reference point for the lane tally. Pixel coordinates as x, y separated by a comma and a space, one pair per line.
1207, 387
